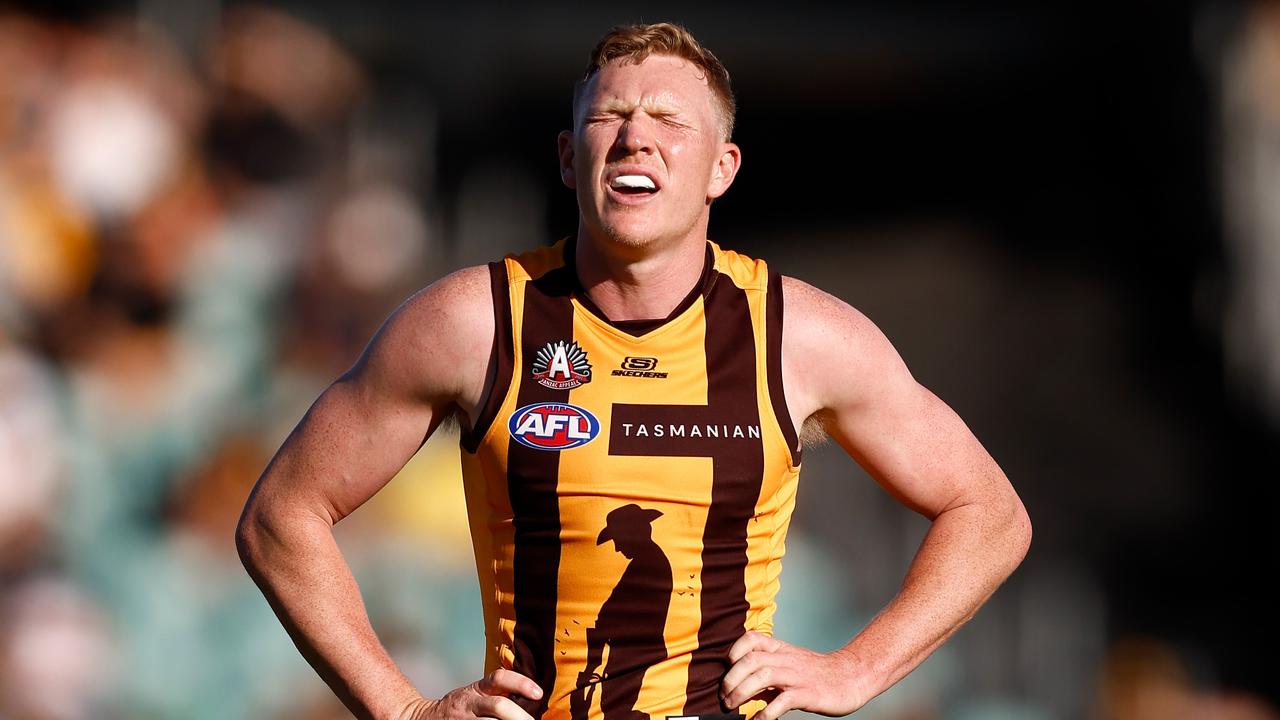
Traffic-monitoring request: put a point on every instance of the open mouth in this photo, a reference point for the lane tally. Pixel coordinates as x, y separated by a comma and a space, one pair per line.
632, 184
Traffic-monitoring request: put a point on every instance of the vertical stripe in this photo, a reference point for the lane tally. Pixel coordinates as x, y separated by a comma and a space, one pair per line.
532, 477
501, 359
736, 482
773, 336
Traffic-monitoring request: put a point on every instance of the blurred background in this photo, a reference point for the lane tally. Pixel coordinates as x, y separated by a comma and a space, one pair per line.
1066, 217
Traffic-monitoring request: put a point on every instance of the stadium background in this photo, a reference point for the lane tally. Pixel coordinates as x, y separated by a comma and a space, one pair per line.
1065, 216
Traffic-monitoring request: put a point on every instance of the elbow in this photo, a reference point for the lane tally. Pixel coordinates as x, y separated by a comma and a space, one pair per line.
248, 538
272, 529
1020, 532
256, 532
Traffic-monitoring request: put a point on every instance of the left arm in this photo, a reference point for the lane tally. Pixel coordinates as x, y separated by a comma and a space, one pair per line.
840, 368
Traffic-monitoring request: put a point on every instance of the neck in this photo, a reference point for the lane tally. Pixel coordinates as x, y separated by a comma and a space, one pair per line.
638, 283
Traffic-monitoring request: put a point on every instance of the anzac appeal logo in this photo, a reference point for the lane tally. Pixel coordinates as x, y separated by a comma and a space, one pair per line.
561, 365
553, 426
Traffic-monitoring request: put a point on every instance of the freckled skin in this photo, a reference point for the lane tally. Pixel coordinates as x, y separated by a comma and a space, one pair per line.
654, 115
637, 259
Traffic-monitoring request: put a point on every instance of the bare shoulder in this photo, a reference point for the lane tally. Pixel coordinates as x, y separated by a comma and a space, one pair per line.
436, 345
833, 354
813, 312
840, 368
455, 302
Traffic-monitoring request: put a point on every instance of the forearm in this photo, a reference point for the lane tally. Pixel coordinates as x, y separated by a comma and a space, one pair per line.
300, 569
967, 553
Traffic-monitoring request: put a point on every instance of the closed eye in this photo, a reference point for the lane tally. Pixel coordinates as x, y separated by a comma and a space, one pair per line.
671, 121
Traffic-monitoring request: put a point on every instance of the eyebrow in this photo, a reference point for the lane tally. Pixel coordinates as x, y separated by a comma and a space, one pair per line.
651, 107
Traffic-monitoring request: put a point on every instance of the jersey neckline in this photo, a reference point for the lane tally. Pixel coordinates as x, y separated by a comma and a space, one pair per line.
636, 329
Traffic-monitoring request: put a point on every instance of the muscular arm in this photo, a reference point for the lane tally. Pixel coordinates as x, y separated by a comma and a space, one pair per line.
428, 359
839, 368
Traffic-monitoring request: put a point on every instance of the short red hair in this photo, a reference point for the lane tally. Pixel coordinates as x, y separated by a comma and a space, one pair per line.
634, 43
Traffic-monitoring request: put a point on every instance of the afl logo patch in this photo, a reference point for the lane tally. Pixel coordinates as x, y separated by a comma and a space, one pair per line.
553, 426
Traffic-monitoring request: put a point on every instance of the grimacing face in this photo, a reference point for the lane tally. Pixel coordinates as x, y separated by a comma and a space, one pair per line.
647, 154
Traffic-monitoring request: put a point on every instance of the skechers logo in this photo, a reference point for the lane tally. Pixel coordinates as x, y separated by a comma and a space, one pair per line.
639, 367
553, 426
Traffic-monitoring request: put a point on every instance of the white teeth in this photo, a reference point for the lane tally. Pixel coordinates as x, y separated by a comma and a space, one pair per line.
634, 181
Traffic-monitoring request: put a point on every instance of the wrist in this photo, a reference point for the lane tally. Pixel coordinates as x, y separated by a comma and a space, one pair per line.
414, 708
856, 679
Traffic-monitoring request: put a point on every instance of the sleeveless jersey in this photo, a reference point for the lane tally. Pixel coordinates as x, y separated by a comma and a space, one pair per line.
629, 487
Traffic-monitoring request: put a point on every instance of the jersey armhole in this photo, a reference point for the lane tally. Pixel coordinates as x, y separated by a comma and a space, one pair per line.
501, 359
773, 361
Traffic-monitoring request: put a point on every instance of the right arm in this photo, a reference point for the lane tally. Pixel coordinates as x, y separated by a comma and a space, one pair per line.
427, 361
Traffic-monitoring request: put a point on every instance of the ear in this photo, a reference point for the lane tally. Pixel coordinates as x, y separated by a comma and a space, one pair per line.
564, 141
725, 170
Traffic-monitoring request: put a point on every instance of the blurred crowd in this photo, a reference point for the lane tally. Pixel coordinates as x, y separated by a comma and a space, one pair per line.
195, 238
192, 244
1248, 79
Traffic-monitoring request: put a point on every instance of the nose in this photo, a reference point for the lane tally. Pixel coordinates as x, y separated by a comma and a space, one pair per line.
635, 136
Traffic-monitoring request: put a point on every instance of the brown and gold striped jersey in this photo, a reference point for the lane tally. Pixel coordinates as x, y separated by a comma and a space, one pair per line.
629, 486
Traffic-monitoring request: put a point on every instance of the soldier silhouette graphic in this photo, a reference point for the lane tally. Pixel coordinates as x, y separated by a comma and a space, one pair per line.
631, 622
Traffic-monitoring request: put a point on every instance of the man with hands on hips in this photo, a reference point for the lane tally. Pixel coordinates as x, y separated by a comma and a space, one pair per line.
633, 400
